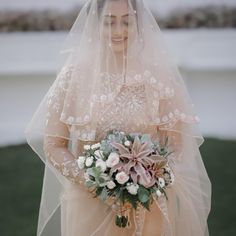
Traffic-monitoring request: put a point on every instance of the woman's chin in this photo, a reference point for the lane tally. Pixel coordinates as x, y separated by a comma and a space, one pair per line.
118, 48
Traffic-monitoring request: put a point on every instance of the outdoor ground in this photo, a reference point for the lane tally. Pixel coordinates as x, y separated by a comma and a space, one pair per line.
21, 173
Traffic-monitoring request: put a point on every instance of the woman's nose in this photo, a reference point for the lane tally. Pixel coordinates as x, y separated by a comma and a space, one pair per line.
118, 29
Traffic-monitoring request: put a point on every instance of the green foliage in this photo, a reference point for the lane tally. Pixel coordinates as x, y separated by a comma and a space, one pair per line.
145, 138
132, 199
98, 191
130, 138
89, 184
146, 204
95, 172
103, 194
143, 194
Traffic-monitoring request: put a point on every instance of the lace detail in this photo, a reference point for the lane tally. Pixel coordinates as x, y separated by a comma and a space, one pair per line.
57, 133
59, 88
61, 158
57, 93
127, 111
111, 84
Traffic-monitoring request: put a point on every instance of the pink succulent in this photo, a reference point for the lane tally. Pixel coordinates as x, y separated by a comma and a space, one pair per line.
136, 162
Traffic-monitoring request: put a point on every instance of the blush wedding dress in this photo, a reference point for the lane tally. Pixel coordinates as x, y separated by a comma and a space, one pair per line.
117, 74
125, 113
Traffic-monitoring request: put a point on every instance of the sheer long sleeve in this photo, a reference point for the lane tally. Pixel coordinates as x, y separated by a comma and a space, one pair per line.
61, 158
175, 138
57, 134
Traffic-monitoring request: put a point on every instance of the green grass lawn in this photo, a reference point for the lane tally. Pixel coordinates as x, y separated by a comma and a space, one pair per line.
22, 175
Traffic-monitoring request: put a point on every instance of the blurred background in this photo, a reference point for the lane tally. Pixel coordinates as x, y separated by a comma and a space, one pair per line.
201, 35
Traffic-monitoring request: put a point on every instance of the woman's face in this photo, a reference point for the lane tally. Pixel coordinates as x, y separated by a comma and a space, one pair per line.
117, 24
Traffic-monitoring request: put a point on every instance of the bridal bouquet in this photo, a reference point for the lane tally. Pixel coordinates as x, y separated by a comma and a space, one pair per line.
127, 170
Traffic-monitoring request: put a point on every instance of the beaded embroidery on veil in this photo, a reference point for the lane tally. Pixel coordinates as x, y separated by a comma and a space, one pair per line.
89, 97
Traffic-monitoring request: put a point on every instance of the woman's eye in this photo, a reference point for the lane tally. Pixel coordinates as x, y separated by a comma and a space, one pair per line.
128, 22
108, 22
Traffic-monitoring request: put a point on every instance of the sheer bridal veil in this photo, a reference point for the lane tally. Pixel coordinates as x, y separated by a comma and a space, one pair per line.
116, 43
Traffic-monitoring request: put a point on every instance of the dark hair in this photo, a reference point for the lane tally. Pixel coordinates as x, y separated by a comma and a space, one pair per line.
101, 3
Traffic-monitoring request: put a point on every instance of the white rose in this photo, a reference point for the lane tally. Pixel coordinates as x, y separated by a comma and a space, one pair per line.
122, 177
96, 145
89, 161
113, 159
99, 153
111, 184
127, 143
80, 164
102, 164
161, 182
87, 147
132, 188
82, 158
158, 193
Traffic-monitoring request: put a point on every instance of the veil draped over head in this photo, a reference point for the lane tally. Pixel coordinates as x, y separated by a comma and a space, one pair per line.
112, 45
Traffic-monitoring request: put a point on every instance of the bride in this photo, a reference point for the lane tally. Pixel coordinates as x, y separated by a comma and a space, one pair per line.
117, 74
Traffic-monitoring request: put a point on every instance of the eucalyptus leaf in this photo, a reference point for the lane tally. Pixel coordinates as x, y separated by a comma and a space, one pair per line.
130, 138
145, 138
143, 194
98, 191
97, 172
101, 180
146, 204
90, 172
103, 195
89, 184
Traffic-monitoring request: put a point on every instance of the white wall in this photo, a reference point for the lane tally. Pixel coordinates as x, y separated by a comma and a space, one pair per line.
207, 59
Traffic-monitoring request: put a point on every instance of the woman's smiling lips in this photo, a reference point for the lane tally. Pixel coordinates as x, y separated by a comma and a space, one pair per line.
118, 40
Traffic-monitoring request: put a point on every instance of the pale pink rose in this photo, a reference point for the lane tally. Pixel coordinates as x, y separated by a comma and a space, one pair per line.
113, 159
111, 184
122, 177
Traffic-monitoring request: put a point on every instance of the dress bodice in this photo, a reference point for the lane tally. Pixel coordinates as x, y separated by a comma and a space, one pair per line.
127, 112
